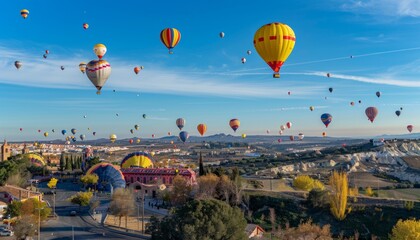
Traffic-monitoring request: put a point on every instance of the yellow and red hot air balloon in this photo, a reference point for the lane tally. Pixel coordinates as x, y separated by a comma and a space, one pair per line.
274, 42
100, 50
234, 124
24, 13
202, 128
170, 37
138, 69
85, 26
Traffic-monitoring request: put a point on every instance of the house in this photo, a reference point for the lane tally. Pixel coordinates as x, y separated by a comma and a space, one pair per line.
8, 193
254, 231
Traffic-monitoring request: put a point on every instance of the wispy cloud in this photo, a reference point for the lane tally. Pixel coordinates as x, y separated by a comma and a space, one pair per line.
390, 8
288, 109
374, 39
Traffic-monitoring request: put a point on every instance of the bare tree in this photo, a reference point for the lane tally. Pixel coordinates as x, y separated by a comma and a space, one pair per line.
122, 204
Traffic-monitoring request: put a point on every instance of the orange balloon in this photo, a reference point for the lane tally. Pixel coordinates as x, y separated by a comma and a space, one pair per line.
202, 128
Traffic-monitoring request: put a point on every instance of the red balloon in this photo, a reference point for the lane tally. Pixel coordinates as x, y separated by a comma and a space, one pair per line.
371, 113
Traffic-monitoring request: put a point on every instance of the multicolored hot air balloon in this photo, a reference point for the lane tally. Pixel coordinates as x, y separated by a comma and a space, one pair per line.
138, 69
180, 123
82, 137
324, 134
283, 127
108, 173
184, 136
18, 64
85, 26
410, 128
98, 72
378, 94
398, 113
24, 13
73, 131
234, 124
371, 113
243, 60
274, 42
100, 50
136, 127
301, 136
288, 124
82, 67
202, 128
326, 118
112, 138
170, 37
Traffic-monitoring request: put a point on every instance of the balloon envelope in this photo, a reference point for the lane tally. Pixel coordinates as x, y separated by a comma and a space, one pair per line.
410, 128
184, 136
180, 122
371, 113
100, 50
326, 118
288, 124
98, 72
234, 124
398, 113
170, 37
73, 130
378, 94
202, 128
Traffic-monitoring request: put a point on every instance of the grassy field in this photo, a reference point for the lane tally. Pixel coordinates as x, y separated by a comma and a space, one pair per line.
406, 193
365, 179
269, 184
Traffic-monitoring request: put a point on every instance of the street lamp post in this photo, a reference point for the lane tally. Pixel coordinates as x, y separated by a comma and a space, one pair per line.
39, 222
53, 202
142, 214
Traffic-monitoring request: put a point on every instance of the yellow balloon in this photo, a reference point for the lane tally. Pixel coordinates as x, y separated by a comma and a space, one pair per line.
100, 50
112, 137
274, 42
243, 135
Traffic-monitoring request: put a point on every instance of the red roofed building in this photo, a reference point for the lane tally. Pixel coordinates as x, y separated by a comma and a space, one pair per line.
157, 175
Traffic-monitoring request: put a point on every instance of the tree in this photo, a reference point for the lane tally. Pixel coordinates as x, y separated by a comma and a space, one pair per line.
52, 183
338, 196
14, 209
81, 198
369, 192
122, 204
25, 227
68, 164
318, 198
201, 219
306, 183
181, 191
207, 186
306, 230
406, 229
201, 166
34, 207
62, 162
225, 188
90, 179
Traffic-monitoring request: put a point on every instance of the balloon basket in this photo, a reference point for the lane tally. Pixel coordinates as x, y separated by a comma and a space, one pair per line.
276, 75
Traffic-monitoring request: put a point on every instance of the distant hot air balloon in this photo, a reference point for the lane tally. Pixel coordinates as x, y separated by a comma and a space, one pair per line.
398, 113
180, 122
85, 26
301, 136
94, 133
311, 108
202, 128
117, 114
378, 94
330, 89
170, 37
131, 131
288, 124
62, 67
234, 124
410, 128
74, 139
222, 34
401, 108
352, 103
371, 113
248, 52
53, 130
24, 13
47, 51
172, 142
82, 137
131, 141
326, 118
73, 131
292, 138
243, 60
288, 93
360, 101
44, 56
328, 74
18, 64
84, 116
274, 42
112, 138
184, 136
138, 140
243, 135
39, 130
343, 145
153, 135
138, 69
82, 67
136, 127
267, 131
21, 129
63, 132
144, 116
169, 133
324, 134
279, 140
280, 132
100, 50
98, 71
283, 127
45, 134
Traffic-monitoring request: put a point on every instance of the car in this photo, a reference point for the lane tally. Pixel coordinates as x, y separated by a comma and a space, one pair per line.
73, 213
6, 233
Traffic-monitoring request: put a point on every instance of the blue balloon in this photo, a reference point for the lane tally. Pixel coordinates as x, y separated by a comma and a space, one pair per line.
326, 118
184, 136
63, 132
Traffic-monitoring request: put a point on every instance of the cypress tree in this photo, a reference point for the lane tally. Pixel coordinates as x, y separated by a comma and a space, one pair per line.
201, 166
62, 162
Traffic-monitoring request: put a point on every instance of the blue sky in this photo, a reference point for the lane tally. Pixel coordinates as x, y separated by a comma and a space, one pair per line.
204, 80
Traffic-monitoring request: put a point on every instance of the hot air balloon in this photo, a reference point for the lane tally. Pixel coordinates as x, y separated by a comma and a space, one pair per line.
378, 94
222, 34
410, 128
24, 13
82, 67
324, 134
39, 130
109, 173
288, 124
292, 138
112, 138
267, 131
63, 132
136, 127
21, 129
243, 60
371, 113
326, 118
98, 71
117, 114
47, 51
330, 89
53, 130
184, 136
172, 142
169, 133
280, 132
360, 101
282, 127
44, 56
82, 137
85, 26
152, 153
18, 64
180, 122
288, 93
398, 113
138, 140
311, 108
301, 136
202, 128
248, 52
137, 69
131, 131
131, 141
73, 131
84, 116
401, 108
243, 135
94, 133
352, 103
234, 124
153, 135
170, 37
62, 67
274, 42
144, 116
343, 145
46, 134
100, 50
328, 74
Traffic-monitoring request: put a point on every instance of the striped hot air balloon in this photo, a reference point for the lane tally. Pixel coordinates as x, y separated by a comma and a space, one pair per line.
180, 123
234, 124
24, 13
170, 37
326, 118
98, 72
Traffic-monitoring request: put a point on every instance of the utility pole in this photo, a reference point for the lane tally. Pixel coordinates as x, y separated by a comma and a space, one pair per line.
54, 202
142, 214
39, 222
